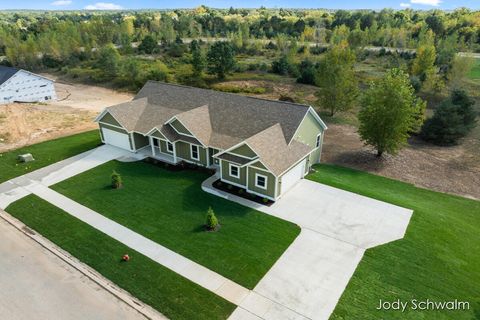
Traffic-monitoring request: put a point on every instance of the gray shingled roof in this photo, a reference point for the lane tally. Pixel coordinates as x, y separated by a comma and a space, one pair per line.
230, 114
219, 120
273, 150
6, 73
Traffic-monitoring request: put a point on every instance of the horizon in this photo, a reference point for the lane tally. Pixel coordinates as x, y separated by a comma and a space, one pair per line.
123, 5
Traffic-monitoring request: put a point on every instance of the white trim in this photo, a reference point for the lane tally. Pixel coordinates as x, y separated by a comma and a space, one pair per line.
102, 114
318, 142
191, 152
236, 146
112, 125
258, 175
175, 152
293, 165
220, 165
169, 144
207, 152
152, 145
315, 115
185, 134
230, 165
134, 148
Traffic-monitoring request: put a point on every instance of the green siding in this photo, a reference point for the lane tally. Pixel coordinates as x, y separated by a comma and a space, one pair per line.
108, 118
242, 180
244, 150
163, 147
307, 133
157, 134
140, 140
212, 151
270, 191
258, 164
101, 125
180, 127
183, 151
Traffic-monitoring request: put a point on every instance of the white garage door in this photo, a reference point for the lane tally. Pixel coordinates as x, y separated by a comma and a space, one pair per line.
290, 178
116, 139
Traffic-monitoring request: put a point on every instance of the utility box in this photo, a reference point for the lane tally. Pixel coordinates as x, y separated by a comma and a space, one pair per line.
27, 157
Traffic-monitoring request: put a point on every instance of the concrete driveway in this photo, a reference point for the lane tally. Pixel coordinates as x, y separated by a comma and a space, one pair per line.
35, 284
310, 277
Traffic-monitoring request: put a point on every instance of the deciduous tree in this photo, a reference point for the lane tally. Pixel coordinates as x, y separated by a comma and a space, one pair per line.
220, 59
389, 112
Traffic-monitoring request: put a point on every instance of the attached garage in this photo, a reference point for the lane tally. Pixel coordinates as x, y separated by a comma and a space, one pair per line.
294, 175
115, 138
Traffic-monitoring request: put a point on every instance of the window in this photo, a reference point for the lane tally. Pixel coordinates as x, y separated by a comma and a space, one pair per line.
317, 143
260, 181
234, 171
194, 152
170, 147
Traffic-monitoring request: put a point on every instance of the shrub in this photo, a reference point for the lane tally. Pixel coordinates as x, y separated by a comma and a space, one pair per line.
229, 187
241, 191
452, 120
281, 66
265, 200
307, 72
212, 221
116, 180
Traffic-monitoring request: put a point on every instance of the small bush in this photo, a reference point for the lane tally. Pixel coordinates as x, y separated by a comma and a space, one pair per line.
212, 221
240, 191
116, 180
265, 200
229, 187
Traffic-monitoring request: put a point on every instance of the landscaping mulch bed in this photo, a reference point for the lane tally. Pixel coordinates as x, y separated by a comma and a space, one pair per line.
241, 192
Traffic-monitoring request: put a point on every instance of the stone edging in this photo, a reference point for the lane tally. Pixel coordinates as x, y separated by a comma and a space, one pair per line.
89, 272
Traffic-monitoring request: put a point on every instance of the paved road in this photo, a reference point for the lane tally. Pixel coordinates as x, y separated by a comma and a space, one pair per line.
35, 284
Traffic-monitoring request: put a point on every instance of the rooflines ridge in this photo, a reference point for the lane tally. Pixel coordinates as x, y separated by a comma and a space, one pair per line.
230, 93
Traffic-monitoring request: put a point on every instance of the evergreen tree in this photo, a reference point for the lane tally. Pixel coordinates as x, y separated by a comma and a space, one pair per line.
148, 45
198, 61
452, 120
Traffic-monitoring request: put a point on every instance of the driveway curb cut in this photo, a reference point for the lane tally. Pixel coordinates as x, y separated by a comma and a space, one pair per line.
142, 308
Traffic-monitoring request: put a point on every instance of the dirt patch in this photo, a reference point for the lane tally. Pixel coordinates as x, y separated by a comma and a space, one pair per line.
453, 170
77, 105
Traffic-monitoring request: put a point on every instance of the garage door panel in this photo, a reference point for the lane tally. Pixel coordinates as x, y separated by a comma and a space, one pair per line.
293, 176
117, 139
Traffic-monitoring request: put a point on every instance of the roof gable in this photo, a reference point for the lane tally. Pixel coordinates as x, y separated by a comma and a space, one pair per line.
244, 151
109, 119
6, 73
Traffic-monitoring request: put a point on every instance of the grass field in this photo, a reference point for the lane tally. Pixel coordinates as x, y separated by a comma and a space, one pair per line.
438, 258
46, 153
169, 207
475, 72
161, 288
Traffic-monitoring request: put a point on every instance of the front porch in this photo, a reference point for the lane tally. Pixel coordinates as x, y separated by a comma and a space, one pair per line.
155, 153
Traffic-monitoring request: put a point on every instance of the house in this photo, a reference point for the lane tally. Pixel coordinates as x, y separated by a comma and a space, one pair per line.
261, 145
17, 85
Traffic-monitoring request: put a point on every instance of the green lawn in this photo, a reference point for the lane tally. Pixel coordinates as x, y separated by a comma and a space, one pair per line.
438, 259
475, 72
46, 153
170, 208
165, 290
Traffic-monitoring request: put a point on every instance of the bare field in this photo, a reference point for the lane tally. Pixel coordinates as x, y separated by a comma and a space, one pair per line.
77, 105
453, 170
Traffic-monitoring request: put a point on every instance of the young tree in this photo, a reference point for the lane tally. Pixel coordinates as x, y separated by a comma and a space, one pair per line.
452, 120
389, 112
220, 59
336, 78
147, 45
212, 221
424, 63
198, 61
116, 180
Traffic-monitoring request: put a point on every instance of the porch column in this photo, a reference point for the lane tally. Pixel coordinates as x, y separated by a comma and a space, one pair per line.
152, 144
174, 152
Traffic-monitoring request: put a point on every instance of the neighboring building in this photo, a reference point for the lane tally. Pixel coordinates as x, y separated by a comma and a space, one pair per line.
261, 145
17, 85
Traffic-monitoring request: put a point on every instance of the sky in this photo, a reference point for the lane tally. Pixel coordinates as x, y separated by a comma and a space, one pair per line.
162, 4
